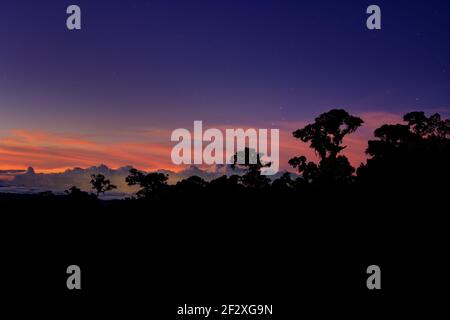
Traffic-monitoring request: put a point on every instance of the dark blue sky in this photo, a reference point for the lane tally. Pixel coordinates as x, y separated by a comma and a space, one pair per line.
140, 64
211, 59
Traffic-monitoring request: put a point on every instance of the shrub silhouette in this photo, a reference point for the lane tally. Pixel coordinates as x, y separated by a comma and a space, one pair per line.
74, 191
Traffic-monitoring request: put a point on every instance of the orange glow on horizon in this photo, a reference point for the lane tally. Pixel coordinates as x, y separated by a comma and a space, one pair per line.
47, 152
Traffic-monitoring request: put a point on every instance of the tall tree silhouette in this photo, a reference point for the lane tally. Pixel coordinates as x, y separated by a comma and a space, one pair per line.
251, 161
151, 183
100, 184
326, 136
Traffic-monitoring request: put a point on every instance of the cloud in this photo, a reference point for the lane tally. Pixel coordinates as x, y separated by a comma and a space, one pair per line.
150, 149
49, 152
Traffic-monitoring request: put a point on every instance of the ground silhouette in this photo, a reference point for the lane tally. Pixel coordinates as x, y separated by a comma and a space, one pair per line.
321, 229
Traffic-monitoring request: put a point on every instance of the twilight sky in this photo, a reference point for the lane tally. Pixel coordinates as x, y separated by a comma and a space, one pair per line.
113, 92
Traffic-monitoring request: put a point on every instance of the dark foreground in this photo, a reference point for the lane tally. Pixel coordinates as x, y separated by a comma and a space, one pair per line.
299, 252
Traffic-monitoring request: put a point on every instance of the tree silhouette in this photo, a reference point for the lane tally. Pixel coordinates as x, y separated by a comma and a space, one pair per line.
309, 170
405, 156
396, 137
225, 184
77, 195
151, 183
428, 127
251, 161
326, 136
328, 131
191, 184
283, 183
100, 184
74, 191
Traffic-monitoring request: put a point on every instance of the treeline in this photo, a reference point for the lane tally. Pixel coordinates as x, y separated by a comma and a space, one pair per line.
410, 156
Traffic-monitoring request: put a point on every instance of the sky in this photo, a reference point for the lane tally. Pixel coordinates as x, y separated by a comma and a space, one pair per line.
113, 91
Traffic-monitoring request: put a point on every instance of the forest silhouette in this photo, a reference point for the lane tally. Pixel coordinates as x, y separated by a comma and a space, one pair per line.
330, 219
410, 158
